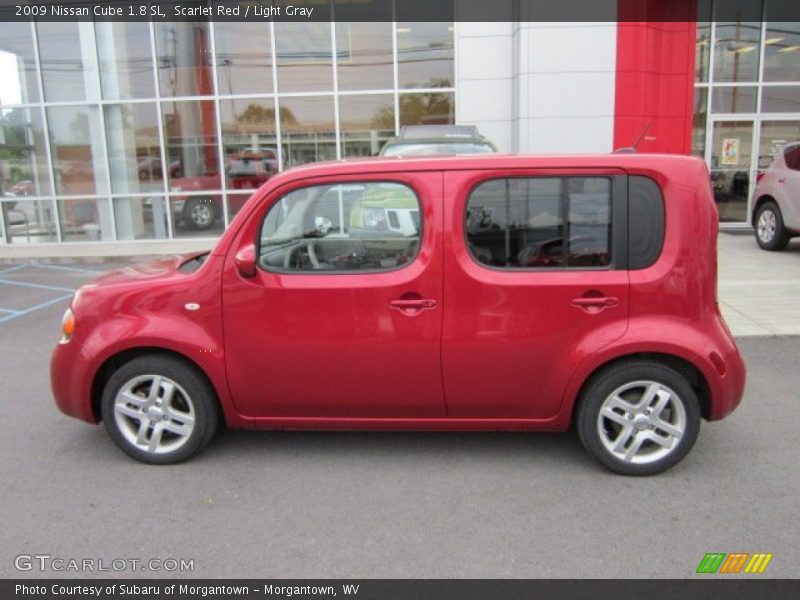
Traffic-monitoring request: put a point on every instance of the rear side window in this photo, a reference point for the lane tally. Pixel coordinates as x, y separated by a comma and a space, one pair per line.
541, 222
372, 226
645, 222
792, 157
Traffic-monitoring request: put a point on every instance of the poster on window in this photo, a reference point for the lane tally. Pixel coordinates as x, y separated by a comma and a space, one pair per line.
730, 151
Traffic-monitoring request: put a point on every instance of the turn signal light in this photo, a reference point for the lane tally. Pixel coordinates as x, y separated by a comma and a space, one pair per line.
67, 325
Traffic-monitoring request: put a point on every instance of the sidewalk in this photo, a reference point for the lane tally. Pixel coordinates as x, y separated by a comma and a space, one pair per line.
759, 292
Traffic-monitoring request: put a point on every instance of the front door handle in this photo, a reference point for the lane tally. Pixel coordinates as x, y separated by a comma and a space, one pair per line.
595, 304
412, 305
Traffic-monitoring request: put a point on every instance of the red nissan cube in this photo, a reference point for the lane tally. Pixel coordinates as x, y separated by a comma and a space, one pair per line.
451, 293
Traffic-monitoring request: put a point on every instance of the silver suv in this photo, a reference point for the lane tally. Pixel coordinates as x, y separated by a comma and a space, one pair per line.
776, 206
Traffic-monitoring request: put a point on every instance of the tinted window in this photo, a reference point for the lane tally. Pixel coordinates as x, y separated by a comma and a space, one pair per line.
645, 222
345, 227
541, 222
792, 157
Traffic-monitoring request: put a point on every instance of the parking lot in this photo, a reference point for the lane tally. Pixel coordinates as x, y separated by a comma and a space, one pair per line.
292, 504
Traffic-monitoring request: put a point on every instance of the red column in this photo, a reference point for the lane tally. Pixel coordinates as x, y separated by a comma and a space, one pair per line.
655, 75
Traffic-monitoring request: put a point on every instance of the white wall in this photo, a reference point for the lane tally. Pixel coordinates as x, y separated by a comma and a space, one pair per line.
538, 87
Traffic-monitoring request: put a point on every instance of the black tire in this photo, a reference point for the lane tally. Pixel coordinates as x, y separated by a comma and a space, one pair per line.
770, 232
625, 380
199, 213
193, 396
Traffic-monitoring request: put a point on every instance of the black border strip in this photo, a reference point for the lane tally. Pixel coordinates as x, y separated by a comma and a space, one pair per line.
402, 10
747, 587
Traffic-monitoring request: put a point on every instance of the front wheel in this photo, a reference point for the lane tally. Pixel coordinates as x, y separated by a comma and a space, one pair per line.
770, 232
159, 410
638, 418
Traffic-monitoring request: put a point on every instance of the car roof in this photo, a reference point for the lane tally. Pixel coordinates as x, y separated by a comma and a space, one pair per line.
396, 164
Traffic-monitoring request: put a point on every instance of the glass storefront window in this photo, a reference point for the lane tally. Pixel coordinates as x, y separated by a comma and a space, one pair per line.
699, 121
780, 98
68, 69
307, 130
364, 56
782, 52
134, 150
305, 57
250, 142
425, 55
235, 203
775, 135
190, 136
18, 64
196, 215
436, 108
28, 221
733, 99
22, 149
366, 122
125, 60
85, 219
141, 218
244, 58
184, 59
736, 51
76, 145
731, 155
702, 51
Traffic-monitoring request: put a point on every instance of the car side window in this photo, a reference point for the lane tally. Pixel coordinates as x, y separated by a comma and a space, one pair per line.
541, 222
792, 157
371, 226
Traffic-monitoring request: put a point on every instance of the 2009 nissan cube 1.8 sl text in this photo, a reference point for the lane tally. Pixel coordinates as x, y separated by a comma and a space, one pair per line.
459, 293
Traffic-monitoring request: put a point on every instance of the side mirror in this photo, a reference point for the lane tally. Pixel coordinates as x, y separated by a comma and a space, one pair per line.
245, 260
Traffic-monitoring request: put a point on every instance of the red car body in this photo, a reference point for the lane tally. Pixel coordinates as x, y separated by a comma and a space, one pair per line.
507, 350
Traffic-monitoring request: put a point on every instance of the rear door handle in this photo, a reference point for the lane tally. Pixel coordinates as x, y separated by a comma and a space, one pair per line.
413, 303
595, 304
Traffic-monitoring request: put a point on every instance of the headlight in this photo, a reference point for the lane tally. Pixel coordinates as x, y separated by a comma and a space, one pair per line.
67, 326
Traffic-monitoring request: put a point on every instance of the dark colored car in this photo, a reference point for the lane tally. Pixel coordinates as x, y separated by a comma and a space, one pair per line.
429, 140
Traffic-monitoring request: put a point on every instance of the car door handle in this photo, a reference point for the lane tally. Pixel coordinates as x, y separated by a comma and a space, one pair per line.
595, 304
412, 306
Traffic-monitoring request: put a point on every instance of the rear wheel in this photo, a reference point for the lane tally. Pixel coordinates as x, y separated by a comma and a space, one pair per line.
638, 418
770, 232
159, 410
198, 213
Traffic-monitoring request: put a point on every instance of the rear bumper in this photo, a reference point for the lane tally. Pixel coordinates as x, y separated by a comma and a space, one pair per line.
724, 370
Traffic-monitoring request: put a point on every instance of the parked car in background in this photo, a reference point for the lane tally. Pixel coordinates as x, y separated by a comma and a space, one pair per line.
776, 200
23, 188
428, 140
249, 170
506, 293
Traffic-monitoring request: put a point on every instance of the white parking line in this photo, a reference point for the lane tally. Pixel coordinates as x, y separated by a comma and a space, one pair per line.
34, 308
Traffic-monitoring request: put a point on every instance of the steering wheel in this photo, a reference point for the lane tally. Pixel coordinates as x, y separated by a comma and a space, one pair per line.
311, 252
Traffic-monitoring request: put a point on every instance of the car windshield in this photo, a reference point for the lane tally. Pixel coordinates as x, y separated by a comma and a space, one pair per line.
423, 149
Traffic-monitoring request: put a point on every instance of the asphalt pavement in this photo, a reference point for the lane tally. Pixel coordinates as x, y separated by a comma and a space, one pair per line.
317, 504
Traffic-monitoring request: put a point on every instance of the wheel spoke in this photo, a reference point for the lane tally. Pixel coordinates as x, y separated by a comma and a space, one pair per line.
131, 398
622, 438
668, 428
664, 442
661, 403
649, 394
155, 438
133, 413
155, 390
614, 416
616, 401
168, 392
638, 439
141, 438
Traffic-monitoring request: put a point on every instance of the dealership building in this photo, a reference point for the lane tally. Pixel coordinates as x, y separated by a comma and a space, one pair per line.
138, 132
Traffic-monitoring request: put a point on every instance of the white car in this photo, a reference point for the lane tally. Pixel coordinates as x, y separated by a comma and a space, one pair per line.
776, 205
